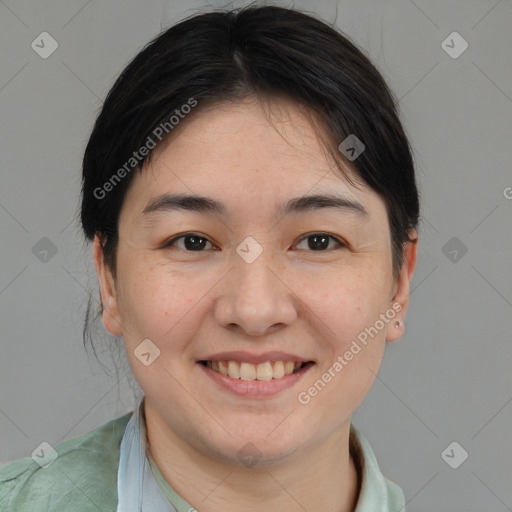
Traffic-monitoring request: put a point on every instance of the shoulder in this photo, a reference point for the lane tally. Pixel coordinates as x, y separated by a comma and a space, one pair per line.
82, 477
377, 493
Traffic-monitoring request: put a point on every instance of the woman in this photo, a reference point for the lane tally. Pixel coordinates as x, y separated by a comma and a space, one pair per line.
251, 199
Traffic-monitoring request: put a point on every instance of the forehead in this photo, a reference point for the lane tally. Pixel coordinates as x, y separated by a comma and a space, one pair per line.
247, 135
248, 154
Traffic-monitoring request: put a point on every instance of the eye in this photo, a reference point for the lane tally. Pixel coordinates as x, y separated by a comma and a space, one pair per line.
319, 242
192, 242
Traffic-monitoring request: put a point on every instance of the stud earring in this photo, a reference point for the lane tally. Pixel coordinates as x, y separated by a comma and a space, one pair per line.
397, 324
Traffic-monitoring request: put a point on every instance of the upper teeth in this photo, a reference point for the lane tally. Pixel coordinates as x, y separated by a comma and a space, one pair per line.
247, 371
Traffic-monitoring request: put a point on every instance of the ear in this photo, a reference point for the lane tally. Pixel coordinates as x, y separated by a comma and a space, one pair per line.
402, 288
110, 315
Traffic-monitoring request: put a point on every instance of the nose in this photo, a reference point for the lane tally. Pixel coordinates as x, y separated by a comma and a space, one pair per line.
255, 298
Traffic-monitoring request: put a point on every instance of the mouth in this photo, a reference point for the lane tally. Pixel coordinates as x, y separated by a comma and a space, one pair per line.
255, 376
264, 371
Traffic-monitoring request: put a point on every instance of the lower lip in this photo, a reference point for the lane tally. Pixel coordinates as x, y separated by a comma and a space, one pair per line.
255, 388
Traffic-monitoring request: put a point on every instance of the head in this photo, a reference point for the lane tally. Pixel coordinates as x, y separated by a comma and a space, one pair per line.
230, 220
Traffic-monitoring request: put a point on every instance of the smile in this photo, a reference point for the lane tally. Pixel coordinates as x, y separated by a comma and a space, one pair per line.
265, 371
256, 376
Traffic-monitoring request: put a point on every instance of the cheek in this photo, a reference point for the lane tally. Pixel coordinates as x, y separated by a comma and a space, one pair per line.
348, 313
161, 306
152, 301
350, 303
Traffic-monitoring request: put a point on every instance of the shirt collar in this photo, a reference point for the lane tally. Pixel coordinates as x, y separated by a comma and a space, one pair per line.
376, 493
137, 488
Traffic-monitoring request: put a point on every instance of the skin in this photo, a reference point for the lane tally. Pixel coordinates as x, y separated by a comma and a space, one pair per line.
291, 298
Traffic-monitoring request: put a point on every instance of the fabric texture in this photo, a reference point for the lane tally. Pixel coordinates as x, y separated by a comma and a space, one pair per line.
83, 478
93, 469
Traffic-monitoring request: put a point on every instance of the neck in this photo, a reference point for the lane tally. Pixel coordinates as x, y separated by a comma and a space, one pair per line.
323, 477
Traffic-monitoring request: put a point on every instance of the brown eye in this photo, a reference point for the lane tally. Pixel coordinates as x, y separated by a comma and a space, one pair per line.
319, 242
190, 242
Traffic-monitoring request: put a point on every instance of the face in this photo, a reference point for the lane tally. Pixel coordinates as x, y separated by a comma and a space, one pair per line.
249, 279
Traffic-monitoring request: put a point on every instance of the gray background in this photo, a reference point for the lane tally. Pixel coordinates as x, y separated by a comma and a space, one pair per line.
448, 379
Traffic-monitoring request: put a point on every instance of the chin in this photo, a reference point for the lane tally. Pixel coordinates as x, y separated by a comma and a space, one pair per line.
253, 449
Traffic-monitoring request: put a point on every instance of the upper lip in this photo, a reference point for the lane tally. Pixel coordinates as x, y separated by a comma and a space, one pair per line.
247, 357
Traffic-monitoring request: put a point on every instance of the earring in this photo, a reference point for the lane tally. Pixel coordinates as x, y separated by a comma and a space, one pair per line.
397, 324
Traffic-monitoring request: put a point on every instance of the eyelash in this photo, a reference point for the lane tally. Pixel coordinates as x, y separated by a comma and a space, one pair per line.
169, 243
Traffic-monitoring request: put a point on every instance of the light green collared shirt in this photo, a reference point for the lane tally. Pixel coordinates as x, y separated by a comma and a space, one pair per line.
84, 476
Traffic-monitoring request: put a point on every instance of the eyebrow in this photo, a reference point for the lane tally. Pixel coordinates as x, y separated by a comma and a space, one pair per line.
202, 204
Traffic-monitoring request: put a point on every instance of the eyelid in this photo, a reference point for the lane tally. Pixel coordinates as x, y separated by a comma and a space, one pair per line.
170, 241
